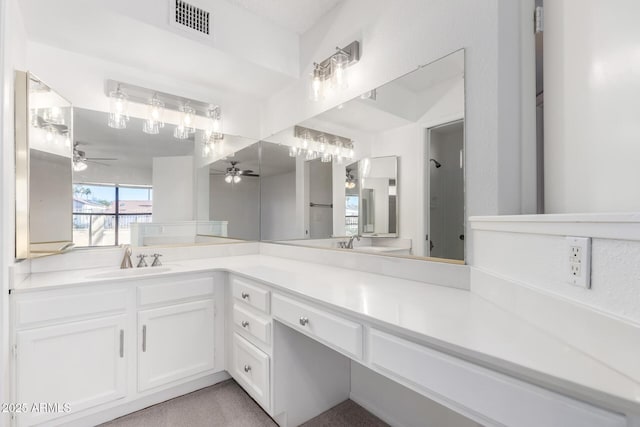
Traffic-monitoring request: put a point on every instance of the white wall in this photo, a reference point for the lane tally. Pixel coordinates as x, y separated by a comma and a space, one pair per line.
239, 204
532, 251
13, 46
398, 36
173, 189
278, 207
592, 88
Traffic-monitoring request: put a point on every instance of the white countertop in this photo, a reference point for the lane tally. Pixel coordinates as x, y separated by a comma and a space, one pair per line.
456, 321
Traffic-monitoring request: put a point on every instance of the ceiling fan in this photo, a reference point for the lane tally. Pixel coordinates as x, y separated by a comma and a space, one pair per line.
80, 158
233, 174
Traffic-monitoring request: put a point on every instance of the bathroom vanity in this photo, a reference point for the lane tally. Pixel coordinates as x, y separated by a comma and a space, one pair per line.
293, 334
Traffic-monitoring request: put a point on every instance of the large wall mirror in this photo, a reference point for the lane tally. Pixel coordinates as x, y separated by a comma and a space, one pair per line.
44, 131
381, 173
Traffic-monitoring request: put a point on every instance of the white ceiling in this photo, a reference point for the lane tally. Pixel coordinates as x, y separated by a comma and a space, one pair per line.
295, 15
137, 34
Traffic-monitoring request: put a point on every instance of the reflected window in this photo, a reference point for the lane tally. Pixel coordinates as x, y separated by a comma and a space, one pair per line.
352, 203
103, 214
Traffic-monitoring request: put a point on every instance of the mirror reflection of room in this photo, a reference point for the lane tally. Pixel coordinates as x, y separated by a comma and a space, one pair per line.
413, 208
140, 188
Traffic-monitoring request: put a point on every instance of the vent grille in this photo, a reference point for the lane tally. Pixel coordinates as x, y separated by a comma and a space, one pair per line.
192, 17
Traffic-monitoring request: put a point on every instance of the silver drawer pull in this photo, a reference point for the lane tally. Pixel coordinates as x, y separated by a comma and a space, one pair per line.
304, 321
144, 338
247, 368
245, 323
245, 295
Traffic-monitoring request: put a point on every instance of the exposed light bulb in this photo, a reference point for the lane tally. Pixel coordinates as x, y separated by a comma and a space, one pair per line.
154, 123
228, 179
293, 151
339, 62
118, 116
49, 135
236, 179
317, 83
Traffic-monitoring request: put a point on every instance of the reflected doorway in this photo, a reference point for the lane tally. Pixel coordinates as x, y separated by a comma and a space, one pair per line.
444, 162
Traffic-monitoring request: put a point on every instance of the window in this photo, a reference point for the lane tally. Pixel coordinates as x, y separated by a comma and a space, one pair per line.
103, 214
351, 215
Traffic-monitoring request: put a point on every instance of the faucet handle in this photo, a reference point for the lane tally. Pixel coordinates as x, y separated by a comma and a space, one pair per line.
142, 262
156, 260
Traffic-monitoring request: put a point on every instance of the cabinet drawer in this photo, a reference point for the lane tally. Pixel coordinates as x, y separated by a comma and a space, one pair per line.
251, 369
251, 293
255, 324
174, 290
48, 307
341, 333
499, 398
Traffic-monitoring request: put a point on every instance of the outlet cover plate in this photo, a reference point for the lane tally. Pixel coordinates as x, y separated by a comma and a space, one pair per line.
579, 261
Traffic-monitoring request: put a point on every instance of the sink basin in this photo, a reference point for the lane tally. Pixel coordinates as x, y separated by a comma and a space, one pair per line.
129, 272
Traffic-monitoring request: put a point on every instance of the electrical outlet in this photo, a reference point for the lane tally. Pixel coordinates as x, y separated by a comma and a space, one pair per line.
579, 254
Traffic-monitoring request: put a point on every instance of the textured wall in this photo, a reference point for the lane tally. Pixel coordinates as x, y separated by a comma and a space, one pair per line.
541, 261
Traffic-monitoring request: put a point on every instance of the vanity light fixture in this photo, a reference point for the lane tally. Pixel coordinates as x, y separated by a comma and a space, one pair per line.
154, 123
313, 144
331, 74
118, 115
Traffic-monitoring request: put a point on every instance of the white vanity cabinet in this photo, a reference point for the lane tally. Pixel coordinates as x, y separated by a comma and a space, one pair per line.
96, 347
175, 342
69, 348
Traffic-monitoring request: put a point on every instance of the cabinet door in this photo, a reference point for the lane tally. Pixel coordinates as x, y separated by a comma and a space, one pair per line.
81, 364
175, 342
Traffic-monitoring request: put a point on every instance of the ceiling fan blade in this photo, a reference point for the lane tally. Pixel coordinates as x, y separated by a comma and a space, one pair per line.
250, 174
97, 163
101, 158
246, 172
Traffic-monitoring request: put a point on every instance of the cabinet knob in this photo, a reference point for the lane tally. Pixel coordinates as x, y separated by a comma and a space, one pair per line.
304, 321
245, 295
245, 323
247, 368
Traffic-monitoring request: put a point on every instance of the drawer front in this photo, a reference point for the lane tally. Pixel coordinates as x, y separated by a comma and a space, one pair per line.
340, 333
48, 307
251, 369
174, 290
256, 325
251, 293
499, 398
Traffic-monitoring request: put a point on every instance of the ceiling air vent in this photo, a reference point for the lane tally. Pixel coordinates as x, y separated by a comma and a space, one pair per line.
188, 16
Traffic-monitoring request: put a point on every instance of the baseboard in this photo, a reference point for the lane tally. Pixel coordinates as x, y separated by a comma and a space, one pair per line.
103, 415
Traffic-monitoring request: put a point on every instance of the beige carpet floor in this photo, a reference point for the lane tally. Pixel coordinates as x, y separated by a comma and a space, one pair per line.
228, 405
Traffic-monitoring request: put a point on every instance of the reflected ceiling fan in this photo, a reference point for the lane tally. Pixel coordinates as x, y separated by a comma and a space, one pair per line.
80, 158
233, 174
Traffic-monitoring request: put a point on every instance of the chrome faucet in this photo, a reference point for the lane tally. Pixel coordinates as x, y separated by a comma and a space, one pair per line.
156, 260
350, 244
142, 262
126, 259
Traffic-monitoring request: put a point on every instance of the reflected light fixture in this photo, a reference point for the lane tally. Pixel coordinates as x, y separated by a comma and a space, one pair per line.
214, 125
118, 115
154, 123
79, 160
350, 182
331, 75
185, 128
312, 144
